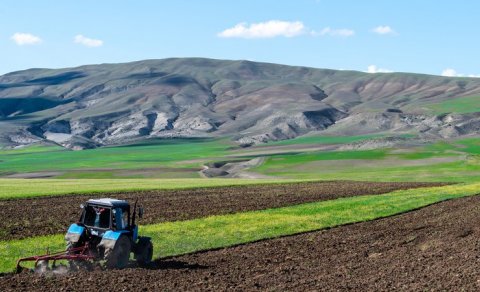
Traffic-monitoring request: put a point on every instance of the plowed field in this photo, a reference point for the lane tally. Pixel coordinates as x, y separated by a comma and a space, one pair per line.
22, 218
434, 248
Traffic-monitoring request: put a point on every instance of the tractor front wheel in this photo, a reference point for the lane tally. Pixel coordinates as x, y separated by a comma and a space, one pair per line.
118, 256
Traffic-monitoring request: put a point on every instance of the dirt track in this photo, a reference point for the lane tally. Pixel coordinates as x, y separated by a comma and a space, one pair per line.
435, 248
22, 218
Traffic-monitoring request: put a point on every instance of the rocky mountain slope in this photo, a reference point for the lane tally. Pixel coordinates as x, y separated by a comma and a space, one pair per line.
249, 102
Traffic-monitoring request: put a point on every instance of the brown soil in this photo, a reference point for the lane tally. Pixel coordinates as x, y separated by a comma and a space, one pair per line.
22, 218
434, 248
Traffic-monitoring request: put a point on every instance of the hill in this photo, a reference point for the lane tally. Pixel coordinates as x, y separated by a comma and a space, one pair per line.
248, 102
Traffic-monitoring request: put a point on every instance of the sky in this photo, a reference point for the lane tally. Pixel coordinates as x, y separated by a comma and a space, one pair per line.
437, 37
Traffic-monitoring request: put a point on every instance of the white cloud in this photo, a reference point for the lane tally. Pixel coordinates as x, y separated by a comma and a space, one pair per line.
268, 29
449, 72
275, 28
343, 32
383, 30
25, 39
375, 69
88, 42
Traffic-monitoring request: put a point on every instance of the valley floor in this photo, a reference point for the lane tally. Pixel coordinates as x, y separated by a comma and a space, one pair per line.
390, 157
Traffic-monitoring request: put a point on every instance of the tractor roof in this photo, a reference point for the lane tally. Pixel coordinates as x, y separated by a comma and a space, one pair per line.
108, 202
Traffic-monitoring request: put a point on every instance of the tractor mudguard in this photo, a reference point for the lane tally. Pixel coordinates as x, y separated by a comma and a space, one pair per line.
143, 239
110, 238
74, 233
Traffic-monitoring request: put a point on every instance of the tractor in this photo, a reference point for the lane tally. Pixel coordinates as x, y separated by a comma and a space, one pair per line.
105, 231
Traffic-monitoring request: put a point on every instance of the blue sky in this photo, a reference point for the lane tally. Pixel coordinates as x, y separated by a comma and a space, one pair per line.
423, 36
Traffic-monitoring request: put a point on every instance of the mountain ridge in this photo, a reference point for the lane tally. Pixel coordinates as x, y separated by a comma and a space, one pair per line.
250, 102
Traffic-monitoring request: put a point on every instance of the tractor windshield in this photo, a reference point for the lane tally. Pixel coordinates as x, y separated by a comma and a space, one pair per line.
96, 216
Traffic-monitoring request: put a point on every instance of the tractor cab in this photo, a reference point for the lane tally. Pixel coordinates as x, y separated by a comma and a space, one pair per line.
101, 215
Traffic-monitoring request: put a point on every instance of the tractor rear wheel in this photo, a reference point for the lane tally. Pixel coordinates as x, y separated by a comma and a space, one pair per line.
73, 264
118, 256
144, 251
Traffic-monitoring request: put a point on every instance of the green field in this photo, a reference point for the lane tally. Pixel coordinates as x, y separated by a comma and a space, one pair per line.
174, 158
176, 153
174, 238
460, 105
282, 161
448, 160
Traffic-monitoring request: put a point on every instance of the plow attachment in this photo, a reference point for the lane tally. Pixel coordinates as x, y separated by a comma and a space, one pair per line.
74, 254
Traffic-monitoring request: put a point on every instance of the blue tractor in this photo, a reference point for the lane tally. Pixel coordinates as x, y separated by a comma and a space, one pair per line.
108, 227
105, 231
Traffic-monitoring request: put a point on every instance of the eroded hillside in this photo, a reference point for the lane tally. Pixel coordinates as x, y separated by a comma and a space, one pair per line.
249, 102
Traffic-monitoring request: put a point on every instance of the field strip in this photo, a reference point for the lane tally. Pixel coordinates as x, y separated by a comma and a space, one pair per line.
175, 238
23, 218
23, 188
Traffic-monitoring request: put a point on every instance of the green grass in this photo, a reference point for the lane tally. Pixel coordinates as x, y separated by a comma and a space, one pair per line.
458, 171
444, 149
450, 161
283, 161
180, 237
335, 155
151, 154
456, 161
22, 188
461, 105
164, 157
170, 153
470, 146
34, 148
162, 173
